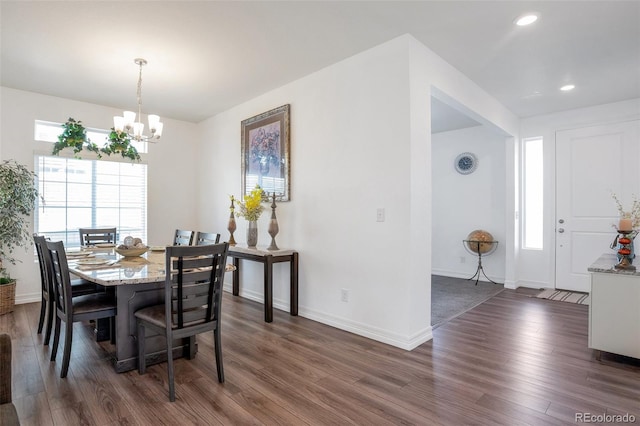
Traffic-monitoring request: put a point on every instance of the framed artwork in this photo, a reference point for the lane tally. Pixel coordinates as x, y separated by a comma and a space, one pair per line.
265, 153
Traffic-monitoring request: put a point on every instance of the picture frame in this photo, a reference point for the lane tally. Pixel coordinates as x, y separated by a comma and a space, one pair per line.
266, 153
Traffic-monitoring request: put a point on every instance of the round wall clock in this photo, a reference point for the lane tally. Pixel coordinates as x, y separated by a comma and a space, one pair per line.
466, 163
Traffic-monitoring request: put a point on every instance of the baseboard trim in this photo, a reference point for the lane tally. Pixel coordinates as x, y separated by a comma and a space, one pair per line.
463, 275
403, 342
28, 298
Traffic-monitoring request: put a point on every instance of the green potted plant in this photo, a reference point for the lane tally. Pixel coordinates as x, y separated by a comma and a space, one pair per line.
120, 143
74, 136
17, 200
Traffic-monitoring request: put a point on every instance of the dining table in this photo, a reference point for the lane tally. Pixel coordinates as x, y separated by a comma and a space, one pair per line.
137, 282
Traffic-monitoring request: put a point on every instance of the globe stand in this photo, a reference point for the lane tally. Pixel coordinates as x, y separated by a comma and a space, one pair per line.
477, 247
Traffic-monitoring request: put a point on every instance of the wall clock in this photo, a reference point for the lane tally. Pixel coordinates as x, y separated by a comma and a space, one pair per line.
466, 163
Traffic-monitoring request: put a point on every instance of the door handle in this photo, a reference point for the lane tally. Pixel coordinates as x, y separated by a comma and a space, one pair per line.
561, 230
561, 221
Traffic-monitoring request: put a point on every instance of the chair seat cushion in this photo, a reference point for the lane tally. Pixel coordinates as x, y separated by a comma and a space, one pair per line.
156, 315
93, 302
8, 415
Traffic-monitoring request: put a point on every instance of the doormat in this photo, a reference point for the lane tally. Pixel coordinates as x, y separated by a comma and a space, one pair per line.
565, 296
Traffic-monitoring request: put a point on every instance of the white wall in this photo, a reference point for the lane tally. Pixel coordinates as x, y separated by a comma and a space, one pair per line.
360, 140
536, 268
171, 175
462, 203
349, 156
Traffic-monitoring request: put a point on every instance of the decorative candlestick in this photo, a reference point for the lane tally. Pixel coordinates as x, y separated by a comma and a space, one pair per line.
231, 227
273, 225
625, 253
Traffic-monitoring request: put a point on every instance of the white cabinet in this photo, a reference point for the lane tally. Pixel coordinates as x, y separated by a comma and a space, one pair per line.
614, 313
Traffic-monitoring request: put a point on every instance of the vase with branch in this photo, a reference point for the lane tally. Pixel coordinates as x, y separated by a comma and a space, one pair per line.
251, 209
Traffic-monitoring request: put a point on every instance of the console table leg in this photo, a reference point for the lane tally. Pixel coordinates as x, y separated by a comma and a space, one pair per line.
236, 276
268, 289
293, 303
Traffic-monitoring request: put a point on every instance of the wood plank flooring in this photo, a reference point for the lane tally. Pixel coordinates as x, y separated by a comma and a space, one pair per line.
513, 360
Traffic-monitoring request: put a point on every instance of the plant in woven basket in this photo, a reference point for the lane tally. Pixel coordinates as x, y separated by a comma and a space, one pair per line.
17, 200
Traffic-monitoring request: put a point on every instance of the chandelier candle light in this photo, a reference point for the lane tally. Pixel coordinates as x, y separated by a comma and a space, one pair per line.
128, 124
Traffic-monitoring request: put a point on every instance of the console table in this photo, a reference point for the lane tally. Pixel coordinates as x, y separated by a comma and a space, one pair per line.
267, 258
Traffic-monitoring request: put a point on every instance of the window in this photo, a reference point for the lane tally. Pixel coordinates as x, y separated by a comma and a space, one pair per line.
85, 193
533, 180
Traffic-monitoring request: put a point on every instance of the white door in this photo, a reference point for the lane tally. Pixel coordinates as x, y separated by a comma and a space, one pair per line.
591, 163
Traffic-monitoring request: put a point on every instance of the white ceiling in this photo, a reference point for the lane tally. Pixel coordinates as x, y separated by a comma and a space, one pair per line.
205, 57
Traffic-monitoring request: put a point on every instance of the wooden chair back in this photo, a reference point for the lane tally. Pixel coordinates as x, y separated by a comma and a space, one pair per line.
194, 285
58, 270
205, 238
40, 242
183, 238
89, 236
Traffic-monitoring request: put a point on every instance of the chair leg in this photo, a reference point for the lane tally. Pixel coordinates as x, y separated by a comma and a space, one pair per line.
43, 309
218, 348
142, 362
172, 390
67, 348
56, 339
50, 309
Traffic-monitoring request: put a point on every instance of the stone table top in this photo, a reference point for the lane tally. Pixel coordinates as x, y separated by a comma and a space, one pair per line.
606, 264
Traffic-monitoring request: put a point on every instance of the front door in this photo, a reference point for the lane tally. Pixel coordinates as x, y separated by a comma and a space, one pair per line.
591, 164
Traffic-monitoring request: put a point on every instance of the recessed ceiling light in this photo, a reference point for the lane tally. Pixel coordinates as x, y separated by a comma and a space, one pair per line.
567, 87
526, 19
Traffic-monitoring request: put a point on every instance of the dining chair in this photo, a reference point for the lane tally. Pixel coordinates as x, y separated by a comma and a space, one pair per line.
183, 238
89, 236
193, 298
204, 238
78, 288
73, 309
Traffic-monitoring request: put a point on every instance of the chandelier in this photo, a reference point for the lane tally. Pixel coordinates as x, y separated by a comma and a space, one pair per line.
127, 122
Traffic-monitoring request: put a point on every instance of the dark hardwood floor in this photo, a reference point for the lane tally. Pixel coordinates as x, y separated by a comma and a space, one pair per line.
513, 360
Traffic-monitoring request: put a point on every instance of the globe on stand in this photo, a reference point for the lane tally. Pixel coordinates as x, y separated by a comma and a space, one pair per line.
480, 243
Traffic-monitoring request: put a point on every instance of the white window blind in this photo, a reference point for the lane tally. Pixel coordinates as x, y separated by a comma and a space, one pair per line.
90, 194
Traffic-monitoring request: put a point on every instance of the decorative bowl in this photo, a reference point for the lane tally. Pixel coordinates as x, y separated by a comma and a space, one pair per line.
131, 252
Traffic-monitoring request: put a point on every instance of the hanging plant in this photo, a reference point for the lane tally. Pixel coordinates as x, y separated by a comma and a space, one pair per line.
120, 143
74, 136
